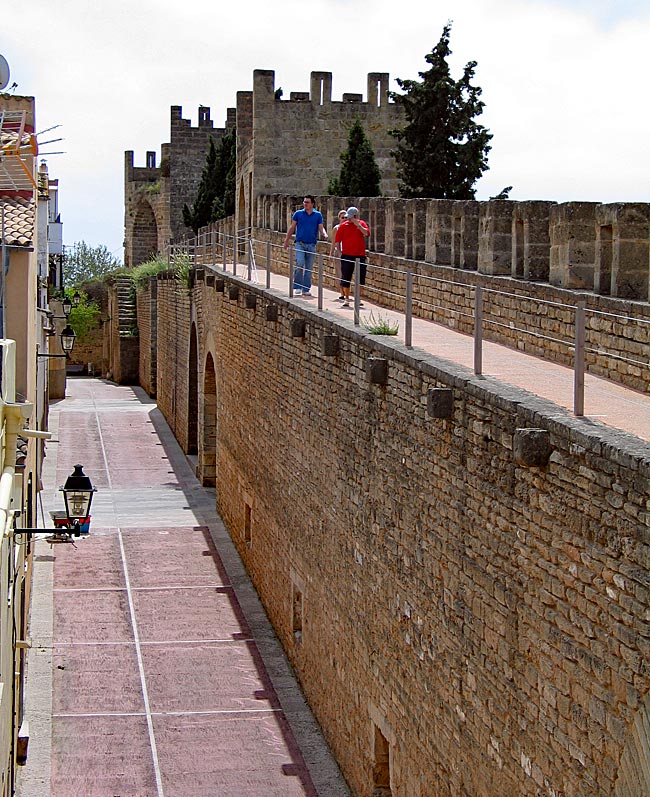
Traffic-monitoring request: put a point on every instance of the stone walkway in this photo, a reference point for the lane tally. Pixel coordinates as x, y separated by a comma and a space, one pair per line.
153, 669
605, 402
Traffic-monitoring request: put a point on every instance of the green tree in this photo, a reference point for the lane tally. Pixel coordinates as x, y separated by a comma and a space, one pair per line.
360, 175
84, 317
442, 151
84, 262
215, 197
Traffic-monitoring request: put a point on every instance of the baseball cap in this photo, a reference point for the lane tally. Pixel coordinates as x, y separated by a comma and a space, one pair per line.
352, 212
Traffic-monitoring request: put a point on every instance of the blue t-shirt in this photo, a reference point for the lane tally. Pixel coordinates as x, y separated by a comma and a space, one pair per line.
308, 223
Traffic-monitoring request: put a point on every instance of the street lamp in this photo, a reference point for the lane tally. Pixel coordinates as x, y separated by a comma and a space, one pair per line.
78, 493
66, 305
76, 298
68, 337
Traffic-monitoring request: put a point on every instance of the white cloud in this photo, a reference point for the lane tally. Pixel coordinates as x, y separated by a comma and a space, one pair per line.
562, 82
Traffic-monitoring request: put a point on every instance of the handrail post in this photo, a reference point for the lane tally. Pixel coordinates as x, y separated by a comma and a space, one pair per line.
250, 259
320, 280
291, 255
408, 311
357, 291
478, 330
235, 253
268, 264
224, 244
579, 362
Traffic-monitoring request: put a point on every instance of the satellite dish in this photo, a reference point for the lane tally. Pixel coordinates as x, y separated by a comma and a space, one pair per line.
4, 73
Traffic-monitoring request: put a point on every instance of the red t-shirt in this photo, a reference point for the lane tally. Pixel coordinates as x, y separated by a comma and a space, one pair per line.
352, 240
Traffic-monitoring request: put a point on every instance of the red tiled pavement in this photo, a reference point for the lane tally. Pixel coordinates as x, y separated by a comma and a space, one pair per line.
158, 688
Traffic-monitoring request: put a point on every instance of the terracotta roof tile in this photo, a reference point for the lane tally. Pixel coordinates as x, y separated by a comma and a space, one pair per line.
20, 220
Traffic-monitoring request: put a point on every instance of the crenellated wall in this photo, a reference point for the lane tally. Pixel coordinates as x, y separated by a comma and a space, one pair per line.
457, 570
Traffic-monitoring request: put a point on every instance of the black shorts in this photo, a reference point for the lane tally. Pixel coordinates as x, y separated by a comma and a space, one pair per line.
347, 270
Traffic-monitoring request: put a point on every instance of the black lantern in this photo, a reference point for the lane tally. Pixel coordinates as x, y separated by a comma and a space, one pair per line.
68, 337
76, 298
66, 304
78, 495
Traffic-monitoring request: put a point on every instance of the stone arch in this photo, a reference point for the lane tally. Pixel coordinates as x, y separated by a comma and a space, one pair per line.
193, 394
633, 779
144, 238
208, 438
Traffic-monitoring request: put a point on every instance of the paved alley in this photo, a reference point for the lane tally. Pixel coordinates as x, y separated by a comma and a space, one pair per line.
153, 670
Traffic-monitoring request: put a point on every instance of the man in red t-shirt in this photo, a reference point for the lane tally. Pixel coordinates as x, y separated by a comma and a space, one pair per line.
351, 235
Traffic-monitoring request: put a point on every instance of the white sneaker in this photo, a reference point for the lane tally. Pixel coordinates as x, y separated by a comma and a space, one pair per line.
345, 304
297, 293
308, 293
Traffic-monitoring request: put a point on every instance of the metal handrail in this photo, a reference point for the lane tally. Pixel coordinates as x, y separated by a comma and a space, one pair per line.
409, 299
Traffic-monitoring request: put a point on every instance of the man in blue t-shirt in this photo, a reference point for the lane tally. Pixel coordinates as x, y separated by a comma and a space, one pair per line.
308, 225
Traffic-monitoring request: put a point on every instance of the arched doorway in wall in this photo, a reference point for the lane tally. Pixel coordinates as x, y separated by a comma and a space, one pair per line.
193, 395
208, 438
144, 238
633, 779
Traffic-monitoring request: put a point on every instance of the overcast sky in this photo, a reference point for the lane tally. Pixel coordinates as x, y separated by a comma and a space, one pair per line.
564, 82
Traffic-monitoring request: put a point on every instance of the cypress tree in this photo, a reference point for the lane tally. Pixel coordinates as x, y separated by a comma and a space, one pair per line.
442, 151
360, 175
215, 197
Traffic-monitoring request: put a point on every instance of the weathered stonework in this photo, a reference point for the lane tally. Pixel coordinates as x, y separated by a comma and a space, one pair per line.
467, 624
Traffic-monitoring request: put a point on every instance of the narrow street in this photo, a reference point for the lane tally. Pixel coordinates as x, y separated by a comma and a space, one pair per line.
153, 670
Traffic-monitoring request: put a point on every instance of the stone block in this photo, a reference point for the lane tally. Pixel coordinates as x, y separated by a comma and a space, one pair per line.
271, 312
219, 284
250, 301
199, 275
297, 326
377, 370
440, 402
331, 345
209, 280
532, 447
233, 292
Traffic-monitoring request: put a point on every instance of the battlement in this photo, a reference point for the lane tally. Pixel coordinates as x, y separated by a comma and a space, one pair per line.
320, 90
141, 174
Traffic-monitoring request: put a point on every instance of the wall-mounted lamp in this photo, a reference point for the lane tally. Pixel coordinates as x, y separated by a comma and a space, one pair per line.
68, 337
76, 298
66, 306
78, 494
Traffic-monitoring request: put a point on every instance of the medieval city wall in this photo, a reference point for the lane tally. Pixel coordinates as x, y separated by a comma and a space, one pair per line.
456, 569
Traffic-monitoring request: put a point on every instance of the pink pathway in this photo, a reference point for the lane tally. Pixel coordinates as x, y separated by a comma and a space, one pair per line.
158, 685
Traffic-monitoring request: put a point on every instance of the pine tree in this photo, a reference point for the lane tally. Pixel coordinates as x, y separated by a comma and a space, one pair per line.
215, 197
360, 175
442, 150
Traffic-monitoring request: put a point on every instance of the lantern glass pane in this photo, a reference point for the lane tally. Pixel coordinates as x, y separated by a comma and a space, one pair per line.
78, 504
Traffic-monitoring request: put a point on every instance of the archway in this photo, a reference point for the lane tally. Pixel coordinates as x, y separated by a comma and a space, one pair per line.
633, 777
193, 395
144, 236
208, 441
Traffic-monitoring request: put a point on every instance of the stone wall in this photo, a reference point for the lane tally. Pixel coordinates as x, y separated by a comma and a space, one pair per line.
584, 246
121, 333
147, 309
457, 570
173, 345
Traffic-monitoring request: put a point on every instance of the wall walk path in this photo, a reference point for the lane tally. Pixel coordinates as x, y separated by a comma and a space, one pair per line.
153, 669
605, 402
